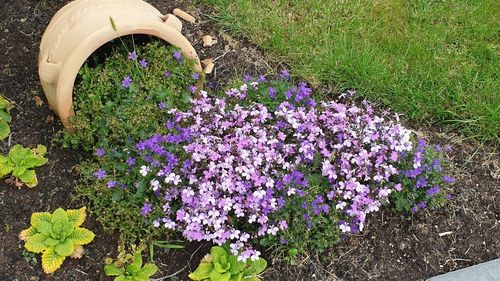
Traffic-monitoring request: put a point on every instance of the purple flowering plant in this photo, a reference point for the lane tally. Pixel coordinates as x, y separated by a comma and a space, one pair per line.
422, 180
234, 171
261, 163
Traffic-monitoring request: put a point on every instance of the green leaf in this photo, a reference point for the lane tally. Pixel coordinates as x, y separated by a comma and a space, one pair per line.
16, 150
51, 261
219, 268
217, 276
4, 116
113, 270
217, 253
77, 217
202, 272
236, 265
148, 270
3, 103
36, 243
136, 265
167, 245
259, 265
82, 236
223, 261
37, 218
6, 166
237, 277
44, 227
121, 278
60, 215
51, 241
29, 178
4, 130
34, 160
40, 150
19, 170
25, 234
65, 248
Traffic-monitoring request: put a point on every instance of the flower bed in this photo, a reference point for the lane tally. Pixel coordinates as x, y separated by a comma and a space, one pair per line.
265, 163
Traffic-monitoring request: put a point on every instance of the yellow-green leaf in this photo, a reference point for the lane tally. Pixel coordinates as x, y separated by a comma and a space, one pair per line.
36, 243
136, 265
4, 129
60, 215
36, 218
29, 178
214, 275
51, 261
51, 241
44, 227
259, 265
202, 272
113, 270
77, 217
65, 248
25, 234
40, 150
82, 236
218, 253
6, 166
148, 270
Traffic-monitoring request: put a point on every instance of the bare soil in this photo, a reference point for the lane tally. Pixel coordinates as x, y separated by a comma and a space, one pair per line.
464, 233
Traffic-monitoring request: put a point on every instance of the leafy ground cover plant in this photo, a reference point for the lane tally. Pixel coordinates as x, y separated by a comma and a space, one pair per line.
57, 236
116, 101
135, 271
5, 117
20, 162
221, 265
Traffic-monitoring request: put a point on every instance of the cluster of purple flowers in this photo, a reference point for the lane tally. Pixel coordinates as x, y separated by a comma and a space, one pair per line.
423, 173
224, 169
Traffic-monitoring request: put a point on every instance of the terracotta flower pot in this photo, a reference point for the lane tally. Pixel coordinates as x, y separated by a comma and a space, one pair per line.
81, 27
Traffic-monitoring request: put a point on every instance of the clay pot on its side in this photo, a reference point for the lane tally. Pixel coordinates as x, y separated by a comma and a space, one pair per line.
81, 27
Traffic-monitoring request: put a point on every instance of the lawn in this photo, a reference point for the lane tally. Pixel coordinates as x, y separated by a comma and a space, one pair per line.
434, 61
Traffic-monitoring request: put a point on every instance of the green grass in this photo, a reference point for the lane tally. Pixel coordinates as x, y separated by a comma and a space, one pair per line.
434, 61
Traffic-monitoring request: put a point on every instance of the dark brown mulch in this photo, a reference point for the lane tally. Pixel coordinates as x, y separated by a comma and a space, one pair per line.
391, 248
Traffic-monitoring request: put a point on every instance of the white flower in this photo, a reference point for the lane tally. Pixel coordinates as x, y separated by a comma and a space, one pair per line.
244, 237
173, 178
144, 170
272, 230
155, 184
341, 205
345, 228
177, 179
255, 256
259, 194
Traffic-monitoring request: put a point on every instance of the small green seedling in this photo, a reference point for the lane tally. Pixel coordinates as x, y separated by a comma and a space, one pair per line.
5, 118
57, 236
135, 271
20, 162
220, 265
